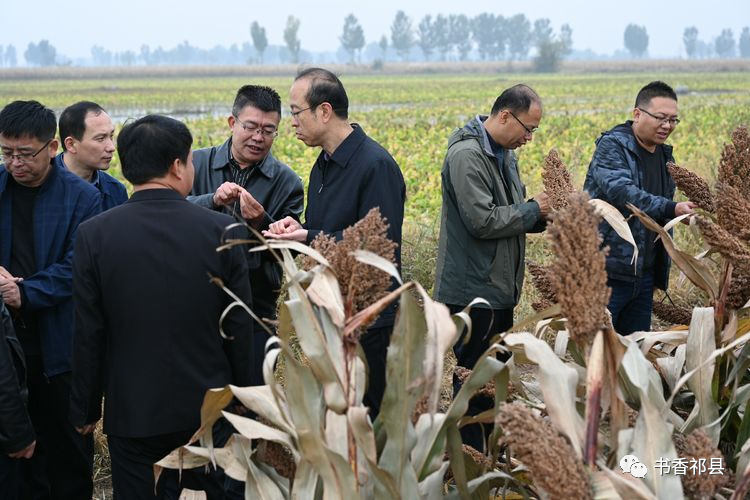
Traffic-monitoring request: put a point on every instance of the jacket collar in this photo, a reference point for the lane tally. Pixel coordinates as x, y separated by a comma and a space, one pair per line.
156, 194
348, 146
221, 160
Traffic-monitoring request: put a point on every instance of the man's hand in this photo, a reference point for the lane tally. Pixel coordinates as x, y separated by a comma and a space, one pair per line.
227, 194
10, 292
684, 207
25, 453
286, 229
86, 429
250, 208
542, 199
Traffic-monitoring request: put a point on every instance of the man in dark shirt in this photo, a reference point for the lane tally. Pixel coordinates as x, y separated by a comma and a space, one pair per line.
41, 206
352, 175
87, 137
629, 166
243, 179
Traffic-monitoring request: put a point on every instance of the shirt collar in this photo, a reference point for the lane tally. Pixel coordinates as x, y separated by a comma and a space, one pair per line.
348, 146
95, 178
223, 157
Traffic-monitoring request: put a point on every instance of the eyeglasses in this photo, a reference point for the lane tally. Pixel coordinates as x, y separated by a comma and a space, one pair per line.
530, 131
295, 114
672, 120
21, 157
253, 128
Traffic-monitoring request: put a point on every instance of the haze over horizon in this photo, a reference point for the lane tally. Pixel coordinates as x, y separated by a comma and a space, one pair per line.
75, 26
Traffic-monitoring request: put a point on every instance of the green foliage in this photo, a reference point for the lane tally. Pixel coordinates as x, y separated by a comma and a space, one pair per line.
636, 40
402, 36
353, 37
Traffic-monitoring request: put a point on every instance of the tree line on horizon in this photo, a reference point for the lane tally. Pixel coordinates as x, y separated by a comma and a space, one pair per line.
456, 37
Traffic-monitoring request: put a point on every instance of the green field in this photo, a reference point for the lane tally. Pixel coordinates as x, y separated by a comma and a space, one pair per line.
412, 116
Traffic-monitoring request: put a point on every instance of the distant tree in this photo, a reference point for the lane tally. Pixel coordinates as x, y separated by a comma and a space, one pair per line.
353, 37
441, 36
519, 36
725, 43
542, 32
41, 54
291, 39
460, 35
690, 39
260, 42
402, 36
550, 49
2, 56
500, 31
10, 56
426, 36
383, 43
128, 58
146, 54
636, 40
483, 32
745, 42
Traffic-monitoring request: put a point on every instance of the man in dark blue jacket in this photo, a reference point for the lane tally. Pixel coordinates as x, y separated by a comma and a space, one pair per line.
87, 137
630, 166
41, 206
352, 175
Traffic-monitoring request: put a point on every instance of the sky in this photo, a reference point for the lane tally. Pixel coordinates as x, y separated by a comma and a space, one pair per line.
75, 25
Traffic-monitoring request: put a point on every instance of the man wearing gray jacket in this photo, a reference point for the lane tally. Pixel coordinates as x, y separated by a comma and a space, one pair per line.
243, 179
484, 221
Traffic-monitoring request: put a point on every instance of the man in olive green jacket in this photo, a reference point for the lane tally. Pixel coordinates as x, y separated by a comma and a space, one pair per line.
484, 222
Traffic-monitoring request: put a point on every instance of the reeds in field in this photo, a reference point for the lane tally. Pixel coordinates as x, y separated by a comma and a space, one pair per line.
693, 186
578, 272
548, 455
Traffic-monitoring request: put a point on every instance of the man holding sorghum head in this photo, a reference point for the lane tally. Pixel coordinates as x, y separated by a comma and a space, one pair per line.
630, 166
484, 220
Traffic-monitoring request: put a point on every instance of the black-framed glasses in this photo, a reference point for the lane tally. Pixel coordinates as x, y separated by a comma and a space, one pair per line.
253, 128
22, 157
295, 114
672, 120
530, 131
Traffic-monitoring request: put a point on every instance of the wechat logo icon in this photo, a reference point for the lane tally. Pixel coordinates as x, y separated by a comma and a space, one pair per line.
631, 465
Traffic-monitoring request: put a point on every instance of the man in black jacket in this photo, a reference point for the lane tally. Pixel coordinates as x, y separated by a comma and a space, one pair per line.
147, 316
17, 438
352, 175
243, 179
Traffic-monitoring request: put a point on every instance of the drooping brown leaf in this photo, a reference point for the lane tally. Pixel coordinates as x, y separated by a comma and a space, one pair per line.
725, 243
360, 284
578, 273
556, 178
697, 446
672, 314
693, 186
734, 167
733, 210
549, 457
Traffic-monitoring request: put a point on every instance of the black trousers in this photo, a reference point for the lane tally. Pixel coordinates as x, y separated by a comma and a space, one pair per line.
374, 343
486, 323
62, 465
133, 473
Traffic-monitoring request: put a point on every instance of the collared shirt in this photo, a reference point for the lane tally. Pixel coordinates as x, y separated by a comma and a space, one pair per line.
113, 191
344, 186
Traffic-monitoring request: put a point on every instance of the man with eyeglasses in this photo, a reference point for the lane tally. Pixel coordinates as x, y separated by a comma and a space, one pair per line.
630, 166
41, 206
352, 175
484, 220
243, 179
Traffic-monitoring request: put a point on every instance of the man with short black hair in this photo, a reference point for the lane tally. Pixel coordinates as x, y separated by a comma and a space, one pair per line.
352, 175
243, 179
41, 206
147, 331
483, 224
87, 137
630, 166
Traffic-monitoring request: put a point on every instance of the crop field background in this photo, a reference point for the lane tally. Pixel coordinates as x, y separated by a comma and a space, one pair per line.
412, 116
